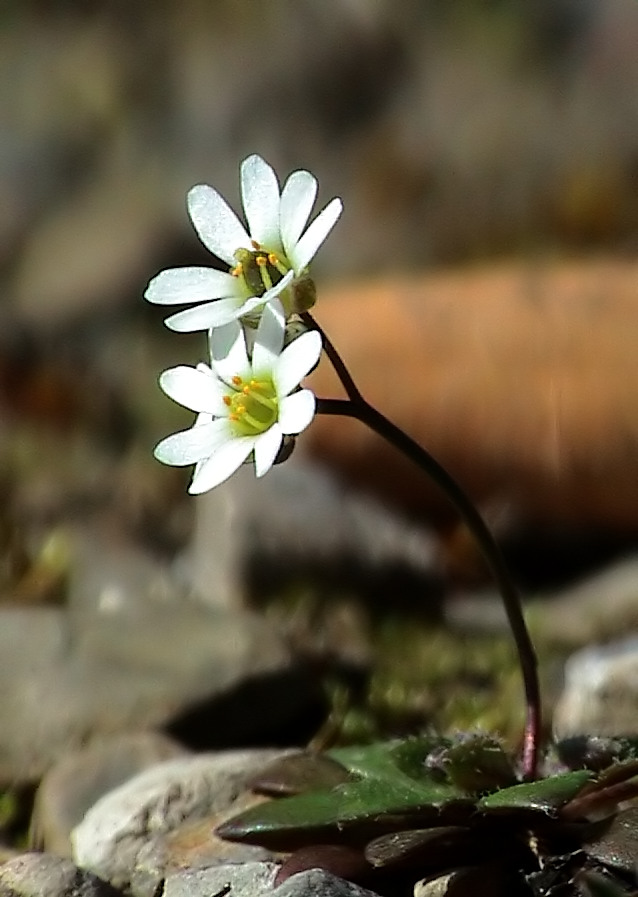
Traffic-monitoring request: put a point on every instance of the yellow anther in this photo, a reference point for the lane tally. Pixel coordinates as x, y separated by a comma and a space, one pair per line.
272, 258
236, 271
233, 417
246, 390
241, 409
261, 260
227, 400
236, 380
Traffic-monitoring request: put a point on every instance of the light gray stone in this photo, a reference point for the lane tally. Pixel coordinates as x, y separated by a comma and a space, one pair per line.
256, 880
600, 694
81, 777
134, 650
601, 606
245, 880
111, 839
270, 519
319, 883
46, 875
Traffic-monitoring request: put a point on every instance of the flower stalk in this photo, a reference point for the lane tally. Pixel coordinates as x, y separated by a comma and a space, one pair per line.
355, 406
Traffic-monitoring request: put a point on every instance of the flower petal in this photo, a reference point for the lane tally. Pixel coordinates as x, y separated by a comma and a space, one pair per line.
260, 198
193, 445
217, 226
306, 248
297, 200
222, 464
193, 284
266, 448
297, 411
269, 339
204, 317
297, 359
196, 389
228, 354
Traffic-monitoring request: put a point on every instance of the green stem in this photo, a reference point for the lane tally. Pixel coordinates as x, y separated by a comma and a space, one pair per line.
357, 407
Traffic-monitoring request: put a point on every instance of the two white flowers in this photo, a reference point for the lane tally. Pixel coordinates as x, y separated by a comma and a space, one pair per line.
248, 399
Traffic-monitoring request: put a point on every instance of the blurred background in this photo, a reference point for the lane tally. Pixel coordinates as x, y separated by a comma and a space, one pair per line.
482, 285
487, 155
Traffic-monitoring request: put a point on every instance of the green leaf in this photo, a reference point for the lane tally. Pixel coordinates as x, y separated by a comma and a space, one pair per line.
546, 795
390, 787
353, 812
404, 758
476, 763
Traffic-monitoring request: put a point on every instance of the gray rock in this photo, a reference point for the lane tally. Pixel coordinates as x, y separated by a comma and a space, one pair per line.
601, 606
81, 777
257, 879
319, 883
112, 839
247, 880
600, 695
269, 520
45, 875
133, 650
191, 846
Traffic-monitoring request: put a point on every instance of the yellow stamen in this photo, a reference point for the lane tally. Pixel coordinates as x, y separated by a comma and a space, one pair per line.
236, 271
227, 401
261, 260
236, 380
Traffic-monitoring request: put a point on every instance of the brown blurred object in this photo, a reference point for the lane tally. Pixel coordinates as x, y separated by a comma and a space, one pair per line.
522, 379
44, 382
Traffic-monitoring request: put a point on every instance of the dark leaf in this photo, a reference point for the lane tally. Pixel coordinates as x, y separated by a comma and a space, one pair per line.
429, 846
595, 884
298, 773
616, 842
596, 752
602, 796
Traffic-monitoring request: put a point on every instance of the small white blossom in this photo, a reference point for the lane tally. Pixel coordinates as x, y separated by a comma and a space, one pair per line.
267, 261
245, 405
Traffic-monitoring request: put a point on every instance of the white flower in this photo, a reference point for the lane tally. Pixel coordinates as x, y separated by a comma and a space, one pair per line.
267, 261
245, 406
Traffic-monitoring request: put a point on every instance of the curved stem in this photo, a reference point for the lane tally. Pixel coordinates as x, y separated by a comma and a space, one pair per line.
352, 391
357, 407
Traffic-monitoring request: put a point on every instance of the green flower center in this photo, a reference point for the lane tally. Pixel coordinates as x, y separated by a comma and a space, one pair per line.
259, 270
253, 406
